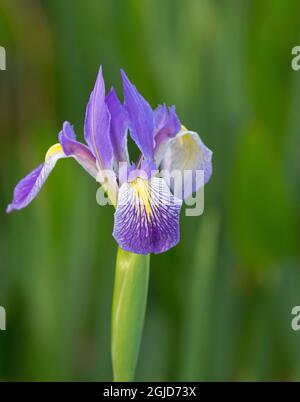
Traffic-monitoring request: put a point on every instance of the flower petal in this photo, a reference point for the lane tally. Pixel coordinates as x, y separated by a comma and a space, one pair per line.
187, 154
118, 126
80, 152
147, 217
27, 189
97, 124
141, 121
167, 125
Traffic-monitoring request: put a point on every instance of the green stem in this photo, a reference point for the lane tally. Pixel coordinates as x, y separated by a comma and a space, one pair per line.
128, 312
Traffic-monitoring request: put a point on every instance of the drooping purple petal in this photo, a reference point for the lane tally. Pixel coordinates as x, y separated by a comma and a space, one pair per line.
28, 188
187, 155
147, 217
80, 152
97, 124
118, 126
141, 121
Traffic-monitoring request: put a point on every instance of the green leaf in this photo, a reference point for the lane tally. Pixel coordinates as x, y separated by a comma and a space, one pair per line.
128, 312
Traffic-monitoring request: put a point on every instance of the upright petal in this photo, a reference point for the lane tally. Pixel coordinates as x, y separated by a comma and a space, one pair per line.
141, 121
97, 124
187, 154
80, 152
28, 188
147, 217
118, 126
167, 125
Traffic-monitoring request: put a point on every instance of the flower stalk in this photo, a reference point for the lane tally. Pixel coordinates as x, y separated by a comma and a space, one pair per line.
128, 312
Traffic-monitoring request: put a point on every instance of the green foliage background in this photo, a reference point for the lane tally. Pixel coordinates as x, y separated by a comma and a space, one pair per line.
220, 302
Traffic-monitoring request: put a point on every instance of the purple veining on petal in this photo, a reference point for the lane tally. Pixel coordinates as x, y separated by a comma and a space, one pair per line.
118, 126
147, 217
97, 124
79, 151
141, 121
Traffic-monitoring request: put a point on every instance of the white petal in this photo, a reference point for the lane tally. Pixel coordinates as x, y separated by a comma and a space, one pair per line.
188, 161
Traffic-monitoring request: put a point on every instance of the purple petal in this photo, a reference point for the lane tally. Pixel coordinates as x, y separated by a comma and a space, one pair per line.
28, 188
141, 120
118, 126
147, 217
80, 152
167, 123
97, 124
69, 131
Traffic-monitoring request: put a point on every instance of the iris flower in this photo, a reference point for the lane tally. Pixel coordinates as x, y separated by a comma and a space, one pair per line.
147, 209
145, 194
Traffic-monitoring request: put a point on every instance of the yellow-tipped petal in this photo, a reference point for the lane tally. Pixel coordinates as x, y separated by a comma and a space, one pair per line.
56, 149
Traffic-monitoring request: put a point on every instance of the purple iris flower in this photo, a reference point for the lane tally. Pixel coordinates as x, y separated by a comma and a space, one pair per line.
147, 208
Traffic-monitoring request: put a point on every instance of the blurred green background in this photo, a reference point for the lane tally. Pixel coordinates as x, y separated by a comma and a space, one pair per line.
220, 302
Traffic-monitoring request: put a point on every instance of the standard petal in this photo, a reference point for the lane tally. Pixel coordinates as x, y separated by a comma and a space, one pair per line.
97, 124
147, 217
80, 152
118, 126
27, 189
141, 120
167, 125
188, 155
